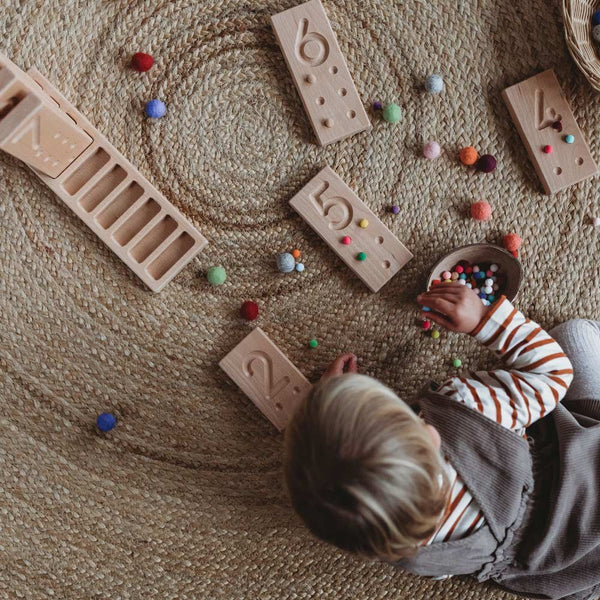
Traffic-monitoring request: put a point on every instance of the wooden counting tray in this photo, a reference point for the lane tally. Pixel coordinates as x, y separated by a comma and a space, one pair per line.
534, 105
267, 377
319, 71
32, 127
334, 211
121, 206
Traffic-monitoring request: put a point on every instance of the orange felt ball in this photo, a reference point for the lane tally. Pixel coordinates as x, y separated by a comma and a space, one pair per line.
512, 242
468, 156
296, 253
481, 211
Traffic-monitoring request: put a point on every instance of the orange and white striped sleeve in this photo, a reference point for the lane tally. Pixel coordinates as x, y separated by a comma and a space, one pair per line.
536, 376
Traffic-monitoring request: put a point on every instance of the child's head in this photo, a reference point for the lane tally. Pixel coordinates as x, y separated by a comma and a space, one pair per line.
362, 469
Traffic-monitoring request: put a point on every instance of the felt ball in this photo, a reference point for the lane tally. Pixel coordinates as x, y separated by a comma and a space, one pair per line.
392, 113
216, 275
469, 156
462, 281
491, 298
434, 84
313, 343
425, 309
494, 268
299, 267
155, 109
446, 275
362, 256
457, 363
596, 18
454, 276
426, 325
476, 269
488, 282
377, 106
462, 276
364, 223
596, 33
512, 242
431, 150
249, 310
395, 209
106, 422
487, 163
435, 334
547, 149
459, 269
481, 210
515, 253
296, 253
596, 221
346, 240
570, 139
285, 262
435, 282
142, 62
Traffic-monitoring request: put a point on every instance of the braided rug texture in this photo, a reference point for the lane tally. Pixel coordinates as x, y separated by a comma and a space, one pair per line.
184, 499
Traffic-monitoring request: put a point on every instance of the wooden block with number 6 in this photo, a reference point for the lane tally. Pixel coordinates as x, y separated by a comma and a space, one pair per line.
267, 377
543, 118
319, 71
336, 213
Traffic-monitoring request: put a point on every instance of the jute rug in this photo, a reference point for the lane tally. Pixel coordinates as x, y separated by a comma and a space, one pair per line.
184, 498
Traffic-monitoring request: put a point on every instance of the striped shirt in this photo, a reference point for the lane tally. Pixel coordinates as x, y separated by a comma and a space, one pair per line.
536, 376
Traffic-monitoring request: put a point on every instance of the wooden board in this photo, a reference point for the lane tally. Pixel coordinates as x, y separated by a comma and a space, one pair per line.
319, 71
32, 127
334, 211
121, 206
267, 377
534, 105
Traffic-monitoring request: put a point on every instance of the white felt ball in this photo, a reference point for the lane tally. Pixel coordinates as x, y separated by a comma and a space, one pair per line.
434, 84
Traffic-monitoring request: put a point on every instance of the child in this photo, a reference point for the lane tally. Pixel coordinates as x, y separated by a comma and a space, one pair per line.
461, 488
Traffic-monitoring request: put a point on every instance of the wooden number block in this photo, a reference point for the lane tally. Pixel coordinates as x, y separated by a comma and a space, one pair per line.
320, 73
121, 206
543, 118
335, 212
32, 128
267, 377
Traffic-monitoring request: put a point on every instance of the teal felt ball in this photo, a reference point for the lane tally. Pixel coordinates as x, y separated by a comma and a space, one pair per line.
216, 275
392, 113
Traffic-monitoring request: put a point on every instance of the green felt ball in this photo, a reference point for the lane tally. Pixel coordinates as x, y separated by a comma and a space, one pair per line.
362, 256
216, 275
457, 363
392, 113
313, 343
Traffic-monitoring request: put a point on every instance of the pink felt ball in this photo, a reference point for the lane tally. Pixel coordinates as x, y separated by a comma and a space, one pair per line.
481, 211
431, 150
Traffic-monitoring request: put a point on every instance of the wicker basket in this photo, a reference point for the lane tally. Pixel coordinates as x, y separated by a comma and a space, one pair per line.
577, 17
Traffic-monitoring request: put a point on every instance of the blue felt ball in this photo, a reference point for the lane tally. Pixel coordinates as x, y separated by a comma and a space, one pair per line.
434, 84
596, 18
286, 263
106, 422
156, 109
299, 267
483, 295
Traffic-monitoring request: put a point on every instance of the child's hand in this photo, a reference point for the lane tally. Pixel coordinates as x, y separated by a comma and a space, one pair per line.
457, 307
345, 363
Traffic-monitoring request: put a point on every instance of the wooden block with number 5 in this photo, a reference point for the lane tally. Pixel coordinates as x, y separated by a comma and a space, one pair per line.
336, 213
267, 377
319, 71
543, 118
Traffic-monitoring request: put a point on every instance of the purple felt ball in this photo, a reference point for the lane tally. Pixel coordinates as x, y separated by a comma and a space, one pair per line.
395, 209
486, 163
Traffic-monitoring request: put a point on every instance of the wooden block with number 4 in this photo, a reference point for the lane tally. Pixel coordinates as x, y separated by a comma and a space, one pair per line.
338, 215
267, 377
319, 71
543, 118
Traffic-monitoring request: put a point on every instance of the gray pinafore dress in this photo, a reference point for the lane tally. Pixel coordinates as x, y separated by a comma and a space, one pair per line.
540, 499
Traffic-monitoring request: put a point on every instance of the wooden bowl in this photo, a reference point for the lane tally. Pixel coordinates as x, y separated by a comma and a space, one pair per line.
577, 18
484, 253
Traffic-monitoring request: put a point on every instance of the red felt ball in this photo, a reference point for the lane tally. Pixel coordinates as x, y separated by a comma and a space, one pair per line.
249, 310
481, 211
512, 242
486, 163
142, 62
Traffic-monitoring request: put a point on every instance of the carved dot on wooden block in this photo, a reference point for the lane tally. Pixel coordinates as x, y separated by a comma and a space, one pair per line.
351, 114
557, 170
342, 91
386, 264
333, 70
320, 100
328, 123
579, 161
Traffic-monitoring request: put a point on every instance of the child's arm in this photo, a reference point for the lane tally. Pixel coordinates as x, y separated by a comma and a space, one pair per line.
538, 372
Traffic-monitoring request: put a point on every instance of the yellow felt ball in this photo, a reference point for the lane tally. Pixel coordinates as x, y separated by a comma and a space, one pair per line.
364, 223
435, 334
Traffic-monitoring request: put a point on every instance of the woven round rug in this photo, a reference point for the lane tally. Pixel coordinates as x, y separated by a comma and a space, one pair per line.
184, 498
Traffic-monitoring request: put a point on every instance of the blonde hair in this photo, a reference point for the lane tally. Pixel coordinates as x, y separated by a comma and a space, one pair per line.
362, 470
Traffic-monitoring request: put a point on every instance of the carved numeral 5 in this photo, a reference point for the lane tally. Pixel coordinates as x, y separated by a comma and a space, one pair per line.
337, 210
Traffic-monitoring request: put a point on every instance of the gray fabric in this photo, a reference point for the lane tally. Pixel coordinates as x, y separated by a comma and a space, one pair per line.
542, 541
580, 339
